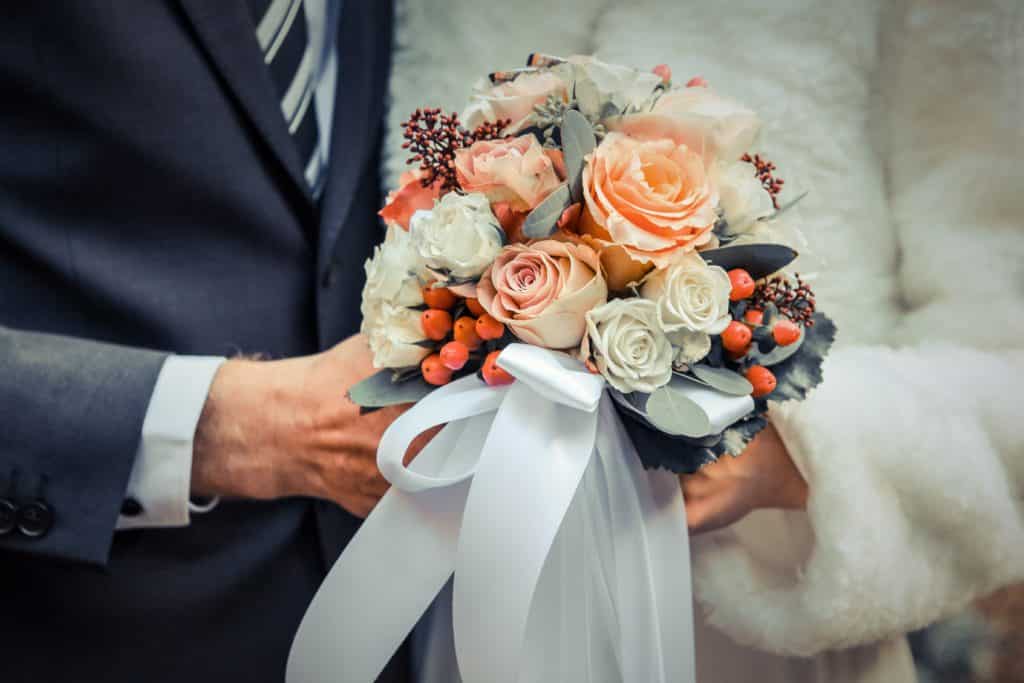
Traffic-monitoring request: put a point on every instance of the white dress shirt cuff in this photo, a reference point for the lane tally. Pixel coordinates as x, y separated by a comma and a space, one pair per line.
158, 488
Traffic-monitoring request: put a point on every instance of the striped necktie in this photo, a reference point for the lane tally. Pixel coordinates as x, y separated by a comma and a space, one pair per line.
283, 34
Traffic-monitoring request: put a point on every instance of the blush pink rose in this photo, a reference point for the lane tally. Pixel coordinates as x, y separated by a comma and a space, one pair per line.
519, 171
513, 100
409, 198
647, 202
542, 291
699, 118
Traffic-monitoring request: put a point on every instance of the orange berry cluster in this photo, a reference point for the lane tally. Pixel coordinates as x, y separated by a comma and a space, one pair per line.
459, 338
739, 334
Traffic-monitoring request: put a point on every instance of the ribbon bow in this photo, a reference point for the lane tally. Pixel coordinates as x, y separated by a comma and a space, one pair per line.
486, 499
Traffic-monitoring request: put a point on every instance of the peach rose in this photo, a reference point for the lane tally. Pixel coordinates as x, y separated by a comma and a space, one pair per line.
542, 291
513, 100
517, 171
409, 198
699, 118
646, 203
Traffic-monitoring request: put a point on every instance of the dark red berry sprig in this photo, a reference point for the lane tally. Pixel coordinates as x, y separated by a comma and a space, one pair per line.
795, 301
433, 137
765, 173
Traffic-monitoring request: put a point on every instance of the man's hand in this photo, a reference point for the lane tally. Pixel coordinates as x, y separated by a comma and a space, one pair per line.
287, 428
724, 492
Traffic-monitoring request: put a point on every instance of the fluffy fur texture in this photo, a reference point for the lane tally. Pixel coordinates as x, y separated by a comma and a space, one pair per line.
904, 122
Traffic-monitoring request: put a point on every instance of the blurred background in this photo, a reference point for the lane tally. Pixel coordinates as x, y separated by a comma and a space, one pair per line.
985, 644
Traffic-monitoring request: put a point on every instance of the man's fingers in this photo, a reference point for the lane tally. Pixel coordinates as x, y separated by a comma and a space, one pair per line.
420, 442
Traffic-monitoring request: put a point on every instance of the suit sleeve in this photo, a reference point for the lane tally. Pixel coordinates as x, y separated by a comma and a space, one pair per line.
72, 413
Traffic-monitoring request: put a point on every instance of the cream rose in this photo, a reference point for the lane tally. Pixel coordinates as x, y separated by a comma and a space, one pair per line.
542, 291
626, 343
392, 332
513, 100
742, 197
518, 171
393, 272
690, 295
460, 235
647, 202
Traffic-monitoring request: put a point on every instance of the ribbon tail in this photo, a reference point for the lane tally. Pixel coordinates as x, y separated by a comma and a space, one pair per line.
400, 558
528, 473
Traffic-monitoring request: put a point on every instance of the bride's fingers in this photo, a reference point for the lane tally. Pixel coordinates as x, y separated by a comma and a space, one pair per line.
714, 510
697, 485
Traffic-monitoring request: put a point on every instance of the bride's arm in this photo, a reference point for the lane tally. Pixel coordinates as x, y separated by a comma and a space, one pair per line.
913, 450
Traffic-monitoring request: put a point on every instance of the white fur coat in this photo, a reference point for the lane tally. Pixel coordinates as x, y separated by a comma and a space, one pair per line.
904, 122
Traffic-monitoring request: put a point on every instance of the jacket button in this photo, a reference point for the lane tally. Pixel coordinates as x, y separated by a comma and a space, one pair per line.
131, 508
8, 516
35, 519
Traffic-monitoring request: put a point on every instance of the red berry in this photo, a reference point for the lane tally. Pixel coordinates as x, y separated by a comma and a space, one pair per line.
493, 375
434, 370
754, 317
465, 332
436, 323
454, 355
736, 337
742, 284
474, 306
438, 297
489, 328
762, 379
786, 332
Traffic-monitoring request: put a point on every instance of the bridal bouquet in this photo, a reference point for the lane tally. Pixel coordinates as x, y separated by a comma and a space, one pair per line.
587, 241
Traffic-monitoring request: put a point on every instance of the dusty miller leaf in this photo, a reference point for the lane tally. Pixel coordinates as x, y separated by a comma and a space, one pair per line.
801, 372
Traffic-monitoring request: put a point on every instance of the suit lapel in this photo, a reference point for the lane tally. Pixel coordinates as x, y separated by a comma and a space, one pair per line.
364, 42
225, 31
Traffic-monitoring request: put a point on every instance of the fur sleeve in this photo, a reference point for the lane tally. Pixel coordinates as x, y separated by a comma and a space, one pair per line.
914, 455
915, 461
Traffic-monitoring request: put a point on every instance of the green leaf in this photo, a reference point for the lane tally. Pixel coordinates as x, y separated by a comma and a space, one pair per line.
760, 260
381, 389
540, 222
578, 140
723, 379
672, 412
801, 372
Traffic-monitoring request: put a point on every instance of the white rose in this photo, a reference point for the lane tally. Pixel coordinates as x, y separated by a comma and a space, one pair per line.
690, 294
628, 346
741, 195
599, 86
393, 272
392, 332
459, 235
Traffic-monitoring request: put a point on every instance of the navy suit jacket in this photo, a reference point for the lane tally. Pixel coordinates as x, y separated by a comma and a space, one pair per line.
152, 201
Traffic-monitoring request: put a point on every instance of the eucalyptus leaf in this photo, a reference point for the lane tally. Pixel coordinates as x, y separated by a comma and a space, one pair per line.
540, 222
380, 390
801, 372
723, 379
578, 140
760, 260
672, 412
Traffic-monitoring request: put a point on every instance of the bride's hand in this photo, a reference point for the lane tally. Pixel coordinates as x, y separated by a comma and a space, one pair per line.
764, 476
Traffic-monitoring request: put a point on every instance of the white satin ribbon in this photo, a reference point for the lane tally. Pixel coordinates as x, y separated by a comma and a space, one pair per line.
571, 562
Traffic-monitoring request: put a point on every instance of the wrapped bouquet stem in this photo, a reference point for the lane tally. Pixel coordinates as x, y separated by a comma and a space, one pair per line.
570, 560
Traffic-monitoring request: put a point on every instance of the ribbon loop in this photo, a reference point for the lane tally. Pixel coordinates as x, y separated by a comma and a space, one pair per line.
553, 375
